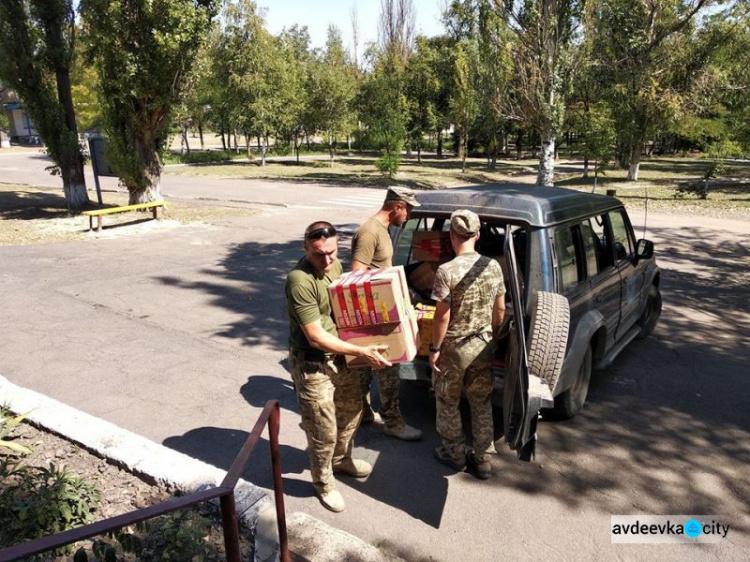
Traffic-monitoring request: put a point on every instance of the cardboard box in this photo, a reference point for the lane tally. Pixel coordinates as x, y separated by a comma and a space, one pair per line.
370, 298
425, 321
423, 277
402, 340
431, 246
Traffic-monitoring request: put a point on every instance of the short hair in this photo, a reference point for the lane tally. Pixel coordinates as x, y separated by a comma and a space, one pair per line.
319, 225
390, 205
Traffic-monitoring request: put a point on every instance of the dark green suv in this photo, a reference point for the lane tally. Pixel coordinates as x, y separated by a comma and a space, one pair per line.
572, 264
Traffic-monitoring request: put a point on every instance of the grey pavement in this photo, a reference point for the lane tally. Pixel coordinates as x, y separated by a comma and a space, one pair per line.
179, 335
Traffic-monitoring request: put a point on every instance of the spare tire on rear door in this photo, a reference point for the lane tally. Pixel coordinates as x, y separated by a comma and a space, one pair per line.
548, 336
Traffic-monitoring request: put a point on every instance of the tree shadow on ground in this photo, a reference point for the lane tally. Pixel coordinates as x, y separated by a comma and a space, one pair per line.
31, 205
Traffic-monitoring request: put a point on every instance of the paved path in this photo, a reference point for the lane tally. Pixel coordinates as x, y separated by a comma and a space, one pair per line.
179, 335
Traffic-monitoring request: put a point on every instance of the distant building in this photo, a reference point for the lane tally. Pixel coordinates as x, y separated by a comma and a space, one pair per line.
21, 128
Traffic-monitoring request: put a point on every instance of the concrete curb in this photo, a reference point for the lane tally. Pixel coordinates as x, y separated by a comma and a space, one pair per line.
314, 540
137, 454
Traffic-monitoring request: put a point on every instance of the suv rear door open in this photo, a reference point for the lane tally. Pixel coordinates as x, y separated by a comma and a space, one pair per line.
524, 393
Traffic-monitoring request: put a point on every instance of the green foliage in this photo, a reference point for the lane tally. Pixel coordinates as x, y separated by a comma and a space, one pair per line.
144, 53
7, 424
176, 537
331, 87
4, 121
388, 164
38, 501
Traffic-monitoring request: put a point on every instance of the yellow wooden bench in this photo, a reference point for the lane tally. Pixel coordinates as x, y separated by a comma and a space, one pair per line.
155, 206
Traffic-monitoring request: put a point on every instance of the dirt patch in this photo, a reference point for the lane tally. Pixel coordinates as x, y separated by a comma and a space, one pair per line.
122, 492
30, 215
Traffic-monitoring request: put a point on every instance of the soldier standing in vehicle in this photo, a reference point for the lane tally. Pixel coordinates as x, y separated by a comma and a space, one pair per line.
372, 249
329, 395
470, 306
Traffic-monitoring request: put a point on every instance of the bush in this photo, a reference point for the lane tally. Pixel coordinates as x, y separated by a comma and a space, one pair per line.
388, 164
37, 501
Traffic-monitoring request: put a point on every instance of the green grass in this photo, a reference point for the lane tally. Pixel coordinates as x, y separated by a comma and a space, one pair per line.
658, 181
358, 170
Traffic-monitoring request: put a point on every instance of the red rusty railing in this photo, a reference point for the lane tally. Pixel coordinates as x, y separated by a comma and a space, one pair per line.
225, 493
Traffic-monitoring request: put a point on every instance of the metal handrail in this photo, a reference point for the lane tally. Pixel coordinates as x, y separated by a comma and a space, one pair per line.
225, 492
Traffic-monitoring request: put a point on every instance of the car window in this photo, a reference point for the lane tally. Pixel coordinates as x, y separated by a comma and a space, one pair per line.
589, 248
604, 255
569, 269
622, 242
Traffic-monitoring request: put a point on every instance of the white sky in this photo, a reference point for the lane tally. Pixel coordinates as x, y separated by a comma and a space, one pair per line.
318, 14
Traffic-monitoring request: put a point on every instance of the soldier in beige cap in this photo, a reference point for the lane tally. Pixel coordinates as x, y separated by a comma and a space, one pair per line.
372, 249
470, 306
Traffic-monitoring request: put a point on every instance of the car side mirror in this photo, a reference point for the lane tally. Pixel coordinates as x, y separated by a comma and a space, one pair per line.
644, 249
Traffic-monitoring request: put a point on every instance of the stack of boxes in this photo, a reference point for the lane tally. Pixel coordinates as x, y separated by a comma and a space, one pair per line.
373, 307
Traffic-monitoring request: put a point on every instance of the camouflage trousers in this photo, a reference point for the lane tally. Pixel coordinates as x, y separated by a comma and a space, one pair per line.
389, 386
330, 403
465, 364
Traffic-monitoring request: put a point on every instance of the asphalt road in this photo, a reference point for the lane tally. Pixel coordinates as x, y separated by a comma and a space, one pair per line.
180, 334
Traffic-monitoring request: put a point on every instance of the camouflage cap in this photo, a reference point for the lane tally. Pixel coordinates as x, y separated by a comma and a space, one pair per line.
465, 223
402, 194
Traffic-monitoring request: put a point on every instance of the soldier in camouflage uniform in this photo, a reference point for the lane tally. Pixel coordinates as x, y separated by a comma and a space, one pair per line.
372, 249
329, 395
470, 306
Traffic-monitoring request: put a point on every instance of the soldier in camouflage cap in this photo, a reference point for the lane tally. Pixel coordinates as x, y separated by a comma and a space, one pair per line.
470, 306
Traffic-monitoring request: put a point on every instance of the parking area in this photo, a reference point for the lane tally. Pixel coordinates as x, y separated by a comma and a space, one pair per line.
180, 336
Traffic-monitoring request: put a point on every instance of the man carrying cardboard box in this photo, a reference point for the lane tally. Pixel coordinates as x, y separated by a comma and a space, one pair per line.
328, 394
372, 249
470, 306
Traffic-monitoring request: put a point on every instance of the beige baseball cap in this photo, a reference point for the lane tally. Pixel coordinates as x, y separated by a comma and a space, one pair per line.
465, 223
402, 194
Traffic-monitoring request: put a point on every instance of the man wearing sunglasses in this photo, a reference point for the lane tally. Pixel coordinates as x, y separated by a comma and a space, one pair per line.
372, 249
328, 394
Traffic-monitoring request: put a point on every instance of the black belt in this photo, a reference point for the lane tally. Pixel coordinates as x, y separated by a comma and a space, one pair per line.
313, 355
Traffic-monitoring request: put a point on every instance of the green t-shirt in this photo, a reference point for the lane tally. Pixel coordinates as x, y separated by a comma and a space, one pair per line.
307, 301
372, 245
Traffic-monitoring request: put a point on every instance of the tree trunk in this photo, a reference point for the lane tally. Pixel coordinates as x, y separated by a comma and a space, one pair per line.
223, 140
331, 148
635, 162
596, 175
296, 146
440, 143
547, 160
247, 147
151, 188
519, 144
184, 145
585, 167
74, 185
419, 154
236, 146
264, 150
200, 134
463, 142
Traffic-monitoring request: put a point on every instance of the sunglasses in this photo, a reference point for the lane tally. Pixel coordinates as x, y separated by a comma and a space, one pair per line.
318, 233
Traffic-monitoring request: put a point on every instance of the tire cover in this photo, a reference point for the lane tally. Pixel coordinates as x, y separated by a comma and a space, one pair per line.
548, 336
